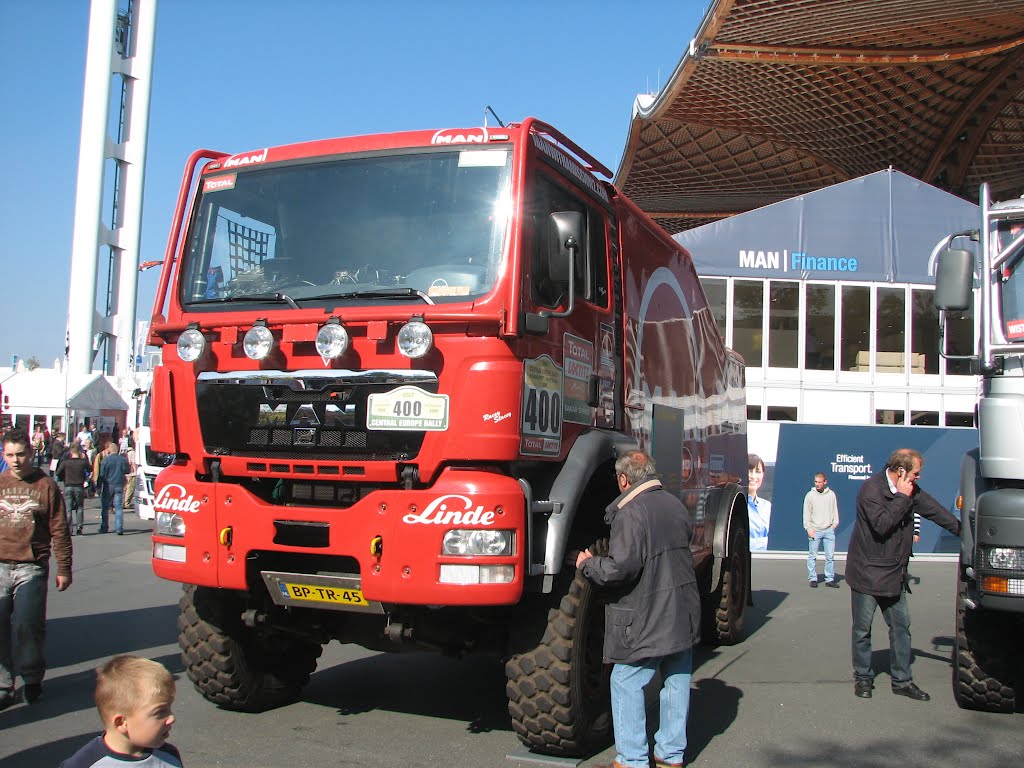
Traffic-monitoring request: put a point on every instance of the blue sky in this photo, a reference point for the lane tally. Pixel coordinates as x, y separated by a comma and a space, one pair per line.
234, 75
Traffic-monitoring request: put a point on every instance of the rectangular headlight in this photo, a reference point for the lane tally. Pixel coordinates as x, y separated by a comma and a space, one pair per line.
477, 574
171, 552
474, 541
170, 524
1005, 558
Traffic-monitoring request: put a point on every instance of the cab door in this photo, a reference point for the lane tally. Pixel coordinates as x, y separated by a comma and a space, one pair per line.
569, 369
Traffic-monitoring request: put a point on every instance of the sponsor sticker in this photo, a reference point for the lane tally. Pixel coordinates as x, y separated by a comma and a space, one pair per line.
1015, 329
219, 183
542, 407
578, 361
407, 408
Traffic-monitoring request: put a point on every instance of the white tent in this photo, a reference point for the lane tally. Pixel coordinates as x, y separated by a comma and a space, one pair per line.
46, 393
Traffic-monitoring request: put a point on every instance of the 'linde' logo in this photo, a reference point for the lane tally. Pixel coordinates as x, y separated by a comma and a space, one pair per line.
249, 159
172, 498
797, 261
461, 512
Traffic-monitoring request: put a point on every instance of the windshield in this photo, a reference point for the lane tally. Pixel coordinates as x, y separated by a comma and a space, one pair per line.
369, 229
1011, 290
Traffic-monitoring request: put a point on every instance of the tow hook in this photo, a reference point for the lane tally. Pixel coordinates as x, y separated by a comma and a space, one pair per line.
225, 536
376, 546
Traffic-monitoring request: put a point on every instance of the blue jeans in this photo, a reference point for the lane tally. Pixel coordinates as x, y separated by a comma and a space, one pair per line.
629, 716
74, 501
112, 497
23, 618
828, 538
896, 612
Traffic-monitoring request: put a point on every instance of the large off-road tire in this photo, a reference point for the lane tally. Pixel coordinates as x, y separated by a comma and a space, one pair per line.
558, 692
235, 666
983, 657
724, 609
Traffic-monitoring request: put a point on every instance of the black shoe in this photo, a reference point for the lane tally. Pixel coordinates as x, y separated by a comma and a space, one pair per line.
812, 584
833, 584
911, 691
862, 689
32, 692
120, 533
6, 699
78, 531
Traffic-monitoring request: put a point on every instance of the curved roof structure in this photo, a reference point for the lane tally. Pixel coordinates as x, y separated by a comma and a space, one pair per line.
776, 98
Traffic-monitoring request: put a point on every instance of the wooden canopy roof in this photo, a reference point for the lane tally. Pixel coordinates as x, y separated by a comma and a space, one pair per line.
776, 98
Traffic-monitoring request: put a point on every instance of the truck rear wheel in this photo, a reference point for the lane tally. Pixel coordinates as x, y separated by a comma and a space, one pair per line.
558, 692
234, 666
982, 658
724, 609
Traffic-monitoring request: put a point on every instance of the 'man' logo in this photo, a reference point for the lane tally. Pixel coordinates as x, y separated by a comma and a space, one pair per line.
762, 259
460, 136
249, 159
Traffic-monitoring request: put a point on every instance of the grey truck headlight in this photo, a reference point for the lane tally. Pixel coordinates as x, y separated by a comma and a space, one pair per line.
469, 542
257, 342
191, 344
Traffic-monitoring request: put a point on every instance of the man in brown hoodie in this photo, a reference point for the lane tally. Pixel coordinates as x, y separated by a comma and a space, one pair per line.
32, 520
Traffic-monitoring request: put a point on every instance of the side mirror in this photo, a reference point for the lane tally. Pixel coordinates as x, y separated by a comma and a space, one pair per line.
565, 234
954, 280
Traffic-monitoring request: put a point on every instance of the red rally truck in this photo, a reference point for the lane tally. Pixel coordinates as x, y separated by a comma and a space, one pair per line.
397, 371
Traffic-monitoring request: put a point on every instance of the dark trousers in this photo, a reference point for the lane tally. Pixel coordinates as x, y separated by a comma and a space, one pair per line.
896, 613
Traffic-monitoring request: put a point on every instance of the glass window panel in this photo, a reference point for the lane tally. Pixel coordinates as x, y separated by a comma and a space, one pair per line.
821, 328
959, 419
853, 333
747, 330
714, 289
781, 413
888, 416
924, 332
959, 341
924, 418
783, 323
890, 321
753, 413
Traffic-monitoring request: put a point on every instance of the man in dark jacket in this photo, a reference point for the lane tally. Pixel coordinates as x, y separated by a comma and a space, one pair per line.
656, 622
876, 566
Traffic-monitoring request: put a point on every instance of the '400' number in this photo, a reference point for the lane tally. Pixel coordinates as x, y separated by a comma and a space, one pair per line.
407, 408
543, 411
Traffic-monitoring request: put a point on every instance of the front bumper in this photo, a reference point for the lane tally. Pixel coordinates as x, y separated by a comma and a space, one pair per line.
389, 542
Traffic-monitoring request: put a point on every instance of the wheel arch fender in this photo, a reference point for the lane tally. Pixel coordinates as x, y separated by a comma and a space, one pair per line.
972, 485
731, 510
591, 450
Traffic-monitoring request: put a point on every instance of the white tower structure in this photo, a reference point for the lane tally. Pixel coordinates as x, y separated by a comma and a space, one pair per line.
120, 49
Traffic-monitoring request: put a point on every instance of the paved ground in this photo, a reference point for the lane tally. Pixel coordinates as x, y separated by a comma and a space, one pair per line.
783, 697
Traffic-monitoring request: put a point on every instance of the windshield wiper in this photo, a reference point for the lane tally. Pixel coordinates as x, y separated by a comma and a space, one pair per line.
275, 296
379, 293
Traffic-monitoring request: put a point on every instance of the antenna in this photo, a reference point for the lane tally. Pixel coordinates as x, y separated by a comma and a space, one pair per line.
488, 109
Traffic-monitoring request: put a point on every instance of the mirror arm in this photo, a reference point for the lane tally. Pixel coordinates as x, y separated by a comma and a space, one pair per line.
572, 246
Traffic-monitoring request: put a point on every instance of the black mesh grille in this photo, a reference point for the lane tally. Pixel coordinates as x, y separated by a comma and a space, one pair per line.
291, 417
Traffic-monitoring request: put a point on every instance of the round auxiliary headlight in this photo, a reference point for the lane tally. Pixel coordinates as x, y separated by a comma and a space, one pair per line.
191, 344
415, 339
257, 342
331, 341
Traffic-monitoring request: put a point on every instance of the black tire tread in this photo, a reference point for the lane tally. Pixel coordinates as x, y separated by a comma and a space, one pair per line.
982, 659
227, 670
539, 686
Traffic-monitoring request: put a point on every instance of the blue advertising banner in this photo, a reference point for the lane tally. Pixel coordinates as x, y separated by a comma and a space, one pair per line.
848, 455
883, 227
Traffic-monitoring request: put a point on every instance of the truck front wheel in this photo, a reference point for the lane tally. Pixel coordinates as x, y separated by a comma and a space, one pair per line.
235, 666
983, 657
558, 692
725, 608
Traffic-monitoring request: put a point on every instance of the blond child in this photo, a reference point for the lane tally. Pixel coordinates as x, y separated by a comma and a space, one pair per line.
134, 698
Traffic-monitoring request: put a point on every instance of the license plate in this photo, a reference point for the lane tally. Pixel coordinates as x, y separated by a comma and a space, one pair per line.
319, 594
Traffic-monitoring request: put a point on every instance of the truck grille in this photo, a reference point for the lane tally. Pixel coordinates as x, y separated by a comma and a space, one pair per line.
310, 414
